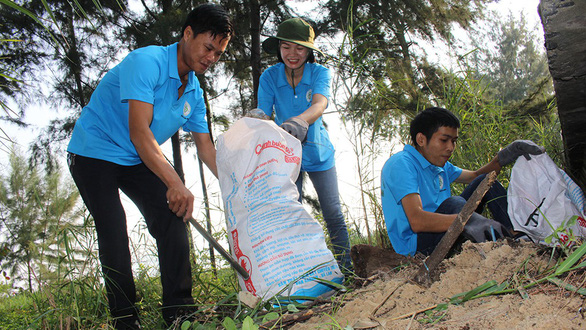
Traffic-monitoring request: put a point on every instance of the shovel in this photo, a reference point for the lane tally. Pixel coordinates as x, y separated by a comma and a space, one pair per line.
445, 244
220, 249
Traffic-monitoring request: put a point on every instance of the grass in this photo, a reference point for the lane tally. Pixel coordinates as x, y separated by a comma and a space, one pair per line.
16, 312
75, 298
82, 303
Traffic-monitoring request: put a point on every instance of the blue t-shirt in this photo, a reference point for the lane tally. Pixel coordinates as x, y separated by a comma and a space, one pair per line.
408, 172
148, 74
275, 93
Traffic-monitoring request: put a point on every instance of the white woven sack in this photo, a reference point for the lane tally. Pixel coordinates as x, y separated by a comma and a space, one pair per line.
270, 233
541, 197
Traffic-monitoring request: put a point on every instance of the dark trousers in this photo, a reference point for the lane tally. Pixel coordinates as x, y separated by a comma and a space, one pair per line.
98, 182
495, 199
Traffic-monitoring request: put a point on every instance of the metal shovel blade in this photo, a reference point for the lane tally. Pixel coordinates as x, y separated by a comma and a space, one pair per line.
220, 249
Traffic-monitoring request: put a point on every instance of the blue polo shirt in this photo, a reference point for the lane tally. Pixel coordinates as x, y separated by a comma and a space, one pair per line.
275, 94
408, 172
148, 74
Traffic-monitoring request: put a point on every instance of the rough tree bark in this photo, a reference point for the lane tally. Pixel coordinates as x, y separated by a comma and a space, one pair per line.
255, 49
565, 40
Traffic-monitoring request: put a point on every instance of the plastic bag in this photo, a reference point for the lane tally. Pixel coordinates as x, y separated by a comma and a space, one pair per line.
542, 199
270, 233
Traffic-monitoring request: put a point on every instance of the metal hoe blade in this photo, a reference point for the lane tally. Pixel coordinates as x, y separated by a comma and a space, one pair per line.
220, 249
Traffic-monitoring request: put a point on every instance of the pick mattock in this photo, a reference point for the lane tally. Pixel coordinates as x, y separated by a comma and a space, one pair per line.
220, 249
441, 250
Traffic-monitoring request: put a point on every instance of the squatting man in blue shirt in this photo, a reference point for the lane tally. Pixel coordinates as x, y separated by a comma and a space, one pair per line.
138, 105
415, 183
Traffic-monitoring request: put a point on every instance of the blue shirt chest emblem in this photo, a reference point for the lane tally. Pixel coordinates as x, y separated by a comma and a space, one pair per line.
186, 109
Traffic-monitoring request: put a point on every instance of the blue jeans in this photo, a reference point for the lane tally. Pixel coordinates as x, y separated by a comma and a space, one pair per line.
326, 186
495, 199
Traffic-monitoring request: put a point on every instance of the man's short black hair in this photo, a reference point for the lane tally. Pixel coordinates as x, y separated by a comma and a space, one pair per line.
430, 120
209, 17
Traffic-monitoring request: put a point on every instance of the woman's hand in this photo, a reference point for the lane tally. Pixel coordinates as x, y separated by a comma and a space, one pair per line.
296, 127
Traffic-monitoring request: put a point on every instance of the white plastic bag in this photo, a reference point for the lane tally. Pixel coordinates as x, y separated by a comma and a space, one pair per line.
270, 233
542, 198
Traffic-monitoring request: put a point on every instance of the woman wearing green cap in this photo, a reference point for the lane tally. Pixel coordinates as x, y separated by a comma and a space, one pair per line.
297, 90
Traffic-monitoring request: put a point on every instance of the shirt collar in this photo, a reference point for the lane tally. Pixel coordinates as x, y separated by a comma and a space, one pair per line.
417, 155
174, 68
306, 79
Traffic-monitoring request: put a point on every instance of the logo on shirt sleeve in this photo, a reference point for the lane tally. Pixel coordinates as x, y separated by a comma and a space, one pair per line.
186, 109
308, 95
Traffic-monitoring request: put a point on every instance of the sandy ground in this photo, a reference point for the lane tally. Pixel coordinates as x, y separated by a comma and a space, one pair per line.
543, 306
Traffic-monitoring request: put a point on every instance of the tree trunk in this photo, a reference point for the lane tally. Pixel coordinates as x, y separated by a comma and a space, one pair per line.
177, 158
30, 273
563, 23
255, 49
203, 183
73, 61
178, 166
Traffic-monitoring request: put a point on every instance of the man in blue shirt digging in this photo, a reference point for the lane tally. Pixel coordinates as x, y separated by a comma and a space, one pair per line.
138, 105
415, 186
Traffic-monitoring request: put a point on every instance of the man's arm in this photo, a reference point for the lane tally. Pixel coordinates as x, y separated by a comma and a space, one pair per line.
423, 221
467, 176
206, 150
140, 116
504, 157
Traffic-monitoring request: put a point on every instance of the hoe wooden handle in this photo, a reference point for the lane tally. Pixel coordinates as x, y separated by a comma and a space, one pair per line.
441, 250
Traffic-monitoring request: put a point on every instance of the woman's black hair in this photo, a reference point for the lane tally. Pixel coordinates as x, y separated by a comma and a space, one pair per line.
209, 17
430, 120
